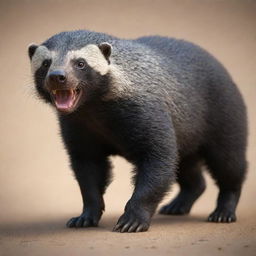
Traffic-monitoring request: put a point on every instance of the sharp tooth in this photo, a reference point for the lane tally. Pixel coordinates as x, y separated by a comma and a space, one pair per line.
73, 94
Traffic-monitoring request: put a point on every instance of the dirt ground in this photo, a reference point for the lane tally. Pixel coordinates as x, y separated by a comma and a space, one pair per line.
38, 192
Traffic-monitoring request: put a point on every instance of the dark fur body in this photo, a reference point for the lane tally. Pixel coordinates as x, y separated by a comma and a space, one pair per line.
183, 111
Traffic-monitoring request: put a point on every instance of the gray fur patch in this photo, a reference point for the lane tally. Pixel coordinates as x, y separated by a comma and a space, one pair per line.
39, 56
93, 56
121, 86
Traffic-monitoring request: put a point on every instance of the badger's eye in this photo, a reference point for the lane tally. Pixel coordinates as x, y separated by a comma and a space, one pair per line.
46, 63
80, 64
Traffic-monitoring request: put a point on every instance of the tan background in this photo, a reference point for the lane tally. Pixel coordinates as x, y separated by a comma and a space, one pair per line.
38, 193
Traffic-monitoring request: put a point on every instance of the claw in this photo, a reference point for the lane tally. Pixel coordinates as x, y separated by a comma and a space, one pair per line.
84, 220
132, 221
79, 222
117, 227
133, 227
139, 228
70, 223
125, 227
223, 216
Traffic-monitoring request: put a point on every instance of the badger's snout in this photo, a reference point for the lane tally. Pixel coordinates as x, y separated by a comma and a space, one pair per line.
65, 94
57, 77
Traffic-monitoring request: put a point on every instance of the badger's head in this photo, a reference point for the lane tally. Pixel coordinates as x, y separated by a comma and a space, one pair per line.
68, 78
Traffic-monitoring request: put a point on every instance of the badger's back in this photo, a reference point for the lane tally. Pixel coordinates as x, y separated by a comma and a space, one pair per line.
201, 93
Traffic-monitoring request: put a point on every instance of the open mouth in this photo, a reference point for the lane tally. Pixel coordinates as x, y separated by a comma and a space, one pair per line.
66, 100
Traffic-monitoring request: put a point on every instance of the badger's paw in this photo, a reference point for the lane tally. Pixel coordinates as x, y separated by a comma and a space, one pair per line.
222, 215
88, 218
177, 207
132, 221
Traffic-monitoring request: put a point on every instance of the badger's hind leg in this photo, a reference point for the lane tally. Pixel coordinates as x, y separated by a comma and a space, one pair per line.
192, 185
227, 166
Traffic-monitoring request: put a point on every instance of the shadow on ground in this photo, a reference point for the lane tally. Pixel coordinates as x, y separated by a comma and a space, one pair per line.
54, 225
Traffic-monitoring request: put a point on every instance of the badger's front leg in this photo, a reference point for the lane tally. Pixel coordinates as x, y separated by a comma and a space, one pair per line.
154, 176
92, 176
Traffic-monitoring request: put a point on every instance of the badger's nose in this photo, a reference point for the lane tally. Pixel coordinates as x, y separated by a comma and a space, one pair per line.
57, 77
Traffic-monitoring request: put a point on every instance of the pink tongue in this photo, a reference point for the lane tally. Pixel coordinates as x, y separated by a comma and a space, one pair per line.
64, 99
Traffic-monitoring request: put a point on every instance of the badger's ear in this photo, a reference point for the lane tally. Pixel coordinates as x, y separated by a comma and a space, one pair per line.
106, 50
31, 50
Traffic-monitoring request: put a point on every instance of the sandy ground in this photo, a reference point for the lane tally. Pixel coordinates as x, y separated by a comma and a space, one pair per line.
38, 192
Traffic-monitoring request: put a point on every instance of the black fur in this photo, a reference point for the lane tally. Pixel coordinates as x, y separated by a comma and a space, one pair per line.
31, 50
184, 111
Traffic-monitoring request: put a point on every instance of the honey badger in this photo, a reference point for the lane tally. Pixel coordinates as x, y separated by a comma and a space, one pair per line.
165, 105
